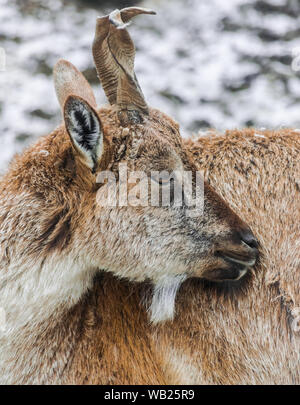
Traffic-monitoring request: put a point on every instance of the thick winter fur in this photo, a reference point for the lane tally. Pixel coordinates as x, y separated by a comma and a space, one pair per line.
55, 237
238, 333
70, 268
247, 334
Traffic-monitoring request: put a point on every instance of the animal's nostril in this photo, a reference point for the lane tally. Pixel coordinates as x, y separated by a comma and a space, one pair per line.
248, 238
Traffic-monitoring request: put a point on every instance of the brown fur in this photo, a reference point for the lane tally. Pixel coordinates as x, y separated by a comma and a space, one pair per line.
66, 325
238, 334
245, 338
55, 236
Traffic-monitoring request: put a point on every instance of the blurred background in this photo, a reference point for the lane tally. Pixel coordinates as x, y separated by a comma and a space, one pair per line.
216, 63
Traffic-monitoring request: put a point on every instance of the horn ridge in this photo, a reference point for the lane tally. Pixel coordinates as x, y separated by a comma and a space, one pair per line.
114, 54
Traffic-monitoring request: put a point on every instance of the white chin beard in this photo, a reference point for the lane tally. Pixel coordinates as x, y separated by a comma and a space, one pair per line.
162, 307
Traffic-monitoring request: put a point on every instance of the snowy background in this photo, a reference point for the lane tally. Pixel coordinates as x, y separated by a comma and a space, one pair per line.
215, 63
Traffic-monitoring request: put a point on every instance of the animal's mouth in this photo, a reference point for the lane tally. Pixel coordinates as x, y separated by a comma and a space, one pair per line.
231, 274
237, 266
247, 262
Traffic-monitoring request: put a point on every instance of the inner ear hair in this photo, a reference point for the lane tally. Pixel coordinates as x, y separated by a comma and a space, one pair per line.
85, 130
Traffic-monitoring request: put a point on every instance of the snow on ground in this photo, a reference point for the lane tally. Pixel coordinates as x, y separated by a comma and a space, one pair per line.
216, 63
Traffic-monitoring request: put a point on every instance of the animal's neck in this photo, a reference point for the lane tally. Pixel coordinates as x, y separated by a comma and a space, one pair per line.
43, 263
34, 296
34, 291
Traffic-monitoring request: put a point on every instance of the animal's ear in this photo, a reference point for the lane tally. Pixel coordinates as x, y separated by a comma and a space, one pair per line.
69, 81
85, 130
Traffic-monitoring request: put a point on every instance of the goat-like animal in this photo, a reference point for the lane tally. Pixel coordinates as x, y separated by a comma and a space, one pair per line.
69, 322
241, 333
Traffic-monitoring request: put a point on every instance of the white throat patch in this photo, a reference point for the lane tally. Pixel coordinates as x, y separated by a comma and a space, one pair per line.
162, 307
